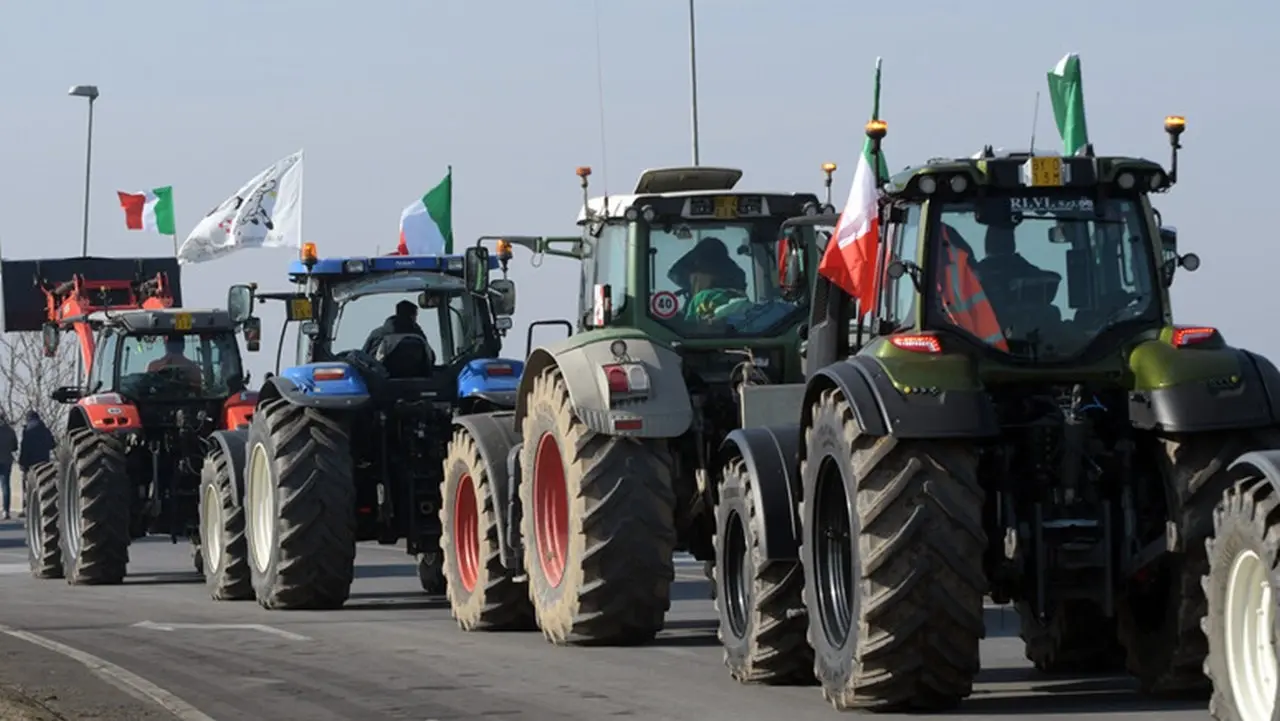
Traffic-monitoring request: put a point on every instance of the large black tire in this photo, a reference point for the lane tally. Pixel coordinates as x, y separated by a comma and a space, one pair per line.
598, 525
894, 581
96, 505
1160, 631
1075, 638
299, 488
223, 550
483, 594
761, 604
44, 549
1246, 528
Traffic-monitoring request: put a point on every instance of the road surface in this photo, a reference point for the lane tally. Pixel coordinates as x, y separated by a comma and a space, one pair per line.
394, 653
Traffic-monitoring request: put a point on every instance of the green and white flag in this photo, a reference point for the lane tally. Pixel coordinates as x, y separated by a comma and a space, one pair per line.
148, 210
426, 226
1066, 91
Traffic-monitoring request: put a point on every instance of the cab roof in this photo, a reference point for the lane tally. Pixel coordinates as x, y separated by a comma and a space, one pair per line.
681, 183
165, 320
347, 267
1013, 170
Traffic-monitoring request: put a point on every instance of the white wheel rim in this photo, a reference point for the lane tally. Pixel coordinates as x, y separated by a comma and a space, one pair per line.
262, 508
1250, 648
211, 528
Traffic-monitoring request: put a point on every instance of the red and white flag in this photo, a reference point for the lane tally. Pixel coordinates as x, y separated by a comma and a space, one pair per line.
850, 258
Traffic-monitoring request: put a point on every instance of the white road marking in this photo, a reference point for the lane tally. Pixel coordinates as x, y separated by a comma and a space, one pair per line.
7, 569
260, 628
116, 676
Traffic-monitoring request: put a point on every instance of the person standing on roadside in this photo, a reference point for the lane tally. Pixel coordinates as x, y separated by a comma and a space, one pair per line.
36, 447
8, 447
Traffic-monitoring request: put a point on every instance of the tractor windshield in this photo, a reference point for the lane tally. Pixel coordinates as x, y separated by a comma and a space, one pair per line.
1058, 269
442, 313
180, 367
718, 278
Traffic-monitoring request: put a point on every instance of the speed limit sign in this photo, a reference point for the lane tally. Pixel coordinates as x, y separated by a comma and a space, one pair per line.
664, 304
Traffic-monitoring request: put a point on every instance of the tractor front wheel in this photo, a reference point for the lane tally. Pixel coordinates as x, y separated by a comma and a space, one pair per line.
761, 603
892, 546
301, 508
598, 524
44, 551
483, 594
96, 510
224, 552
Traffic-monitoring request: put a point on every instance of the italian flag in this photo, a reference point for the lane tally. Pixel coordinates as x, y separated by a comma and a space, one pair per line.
426, 226
850, 258
1066, 91
149, 210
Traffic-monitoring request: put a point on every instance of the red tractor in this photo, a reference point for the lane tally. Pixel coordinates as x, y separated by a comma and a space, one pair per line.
159, 380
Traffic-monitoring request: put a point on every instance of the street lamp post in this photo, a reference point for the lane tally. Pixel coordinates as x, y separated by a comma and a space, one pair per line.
693, 83
90, 92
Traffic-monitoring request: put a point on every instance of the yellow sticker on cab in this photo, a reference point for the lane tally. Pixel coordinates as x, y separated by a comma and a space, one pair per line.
1044, 172
182, 321
300, 309
726, 206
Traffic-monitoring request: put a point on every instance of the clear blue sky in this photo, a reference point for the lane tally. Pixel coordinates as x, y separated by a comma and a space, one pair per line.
384, 94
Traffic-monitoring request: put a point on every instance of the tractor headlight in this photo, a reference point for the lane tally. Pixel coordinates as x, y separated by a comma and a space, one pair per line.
927, 185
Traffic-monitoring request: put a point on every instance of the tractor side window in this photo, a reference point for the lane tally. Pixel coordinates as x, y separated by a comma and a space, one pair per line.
899, 303
610, 266
104, 363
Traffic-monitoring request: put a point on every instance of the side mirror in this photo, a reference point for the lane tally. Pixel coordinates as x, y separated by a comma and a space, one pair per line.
49, 337
252, 329
475, 268
502, 297
67, 394
240, 302
502, 323
791, 275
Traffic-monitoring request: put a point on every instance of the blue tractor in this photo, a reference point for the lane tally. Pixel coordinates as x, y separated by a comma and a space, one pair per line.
348, 444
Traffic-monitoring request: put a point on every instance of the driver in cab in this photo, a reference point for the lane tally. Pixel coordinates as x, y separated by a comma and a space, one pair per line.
174, 357
711, 278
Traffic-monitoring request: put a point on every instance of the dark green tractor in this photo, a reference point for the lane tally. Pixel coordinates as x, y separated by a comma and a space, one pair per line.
1022, 419
566, 512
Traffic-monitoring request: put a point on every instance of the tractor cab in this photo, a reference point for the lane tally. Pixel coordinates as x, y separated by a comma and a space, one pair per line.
1018, 257
419, 321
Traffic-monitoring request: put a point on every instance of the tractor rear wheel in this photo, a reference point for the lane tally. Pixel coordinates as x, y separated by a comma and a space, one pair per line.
44, 551
482, 593
223, 548
96, 509
761, 604
598, 524
1075, 638
892, 547
1159, 625
300, 504
1241, 589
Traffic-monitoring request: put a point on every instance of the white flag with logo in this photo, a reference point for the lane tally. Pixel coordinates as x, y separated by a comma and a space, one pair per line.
264, 213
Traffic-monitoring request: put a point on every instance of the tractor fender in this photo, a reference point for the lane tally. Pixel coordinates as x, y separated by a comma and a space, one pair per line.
666, 412
881, 409
772, 456
1255, 464
1251, 401
298, 386
232, 443
495, 435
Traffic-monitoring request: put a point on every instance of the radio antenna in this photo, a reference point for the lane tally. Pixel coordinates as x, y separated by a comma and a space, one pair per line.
604, 153
1035, 119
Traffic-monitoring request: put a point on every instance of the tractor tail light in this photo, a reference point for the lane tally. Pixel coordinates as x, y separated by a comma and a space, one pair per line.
917, 343
1183, 337
626, 378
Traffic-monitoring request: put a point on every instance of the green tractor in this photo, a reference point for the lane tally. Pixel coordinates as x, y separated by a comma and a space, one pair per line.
1022, 420
566, 512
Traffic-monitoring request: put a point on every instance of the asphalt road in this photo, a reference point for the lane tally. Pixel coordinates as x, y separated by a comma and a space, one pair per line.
394, 653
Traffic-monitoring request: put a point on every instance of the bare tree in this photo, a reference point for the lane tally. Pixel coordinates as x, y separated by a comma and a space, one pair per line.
27, 378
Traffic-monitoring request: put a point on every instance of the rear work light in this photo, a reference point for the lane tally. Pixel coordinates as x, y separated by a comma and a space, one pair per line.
626, 379
499, 369
917, 343
104, 399
1191, 335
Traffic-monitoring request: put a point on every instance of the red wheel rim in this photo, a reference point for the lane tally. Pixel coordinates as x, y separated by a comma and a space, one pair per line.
550, 509
466, 532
